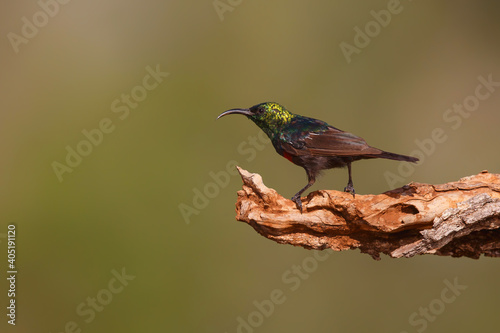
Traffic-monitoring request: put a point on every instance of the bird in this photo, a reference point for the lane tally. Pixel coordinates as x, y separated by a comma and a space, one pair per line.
312, 143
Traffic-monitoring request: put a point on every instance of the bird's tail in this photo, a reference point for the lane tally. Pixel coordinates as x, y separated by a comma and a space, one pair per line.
397, 157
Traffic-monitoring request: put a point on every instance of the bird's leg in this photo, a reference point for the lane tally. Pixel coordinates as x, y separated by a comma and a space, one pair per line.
296, 197
350, 187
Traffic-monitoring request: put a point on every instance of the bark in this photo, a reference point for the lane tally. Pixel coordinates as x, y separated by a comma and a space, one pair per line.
455, 219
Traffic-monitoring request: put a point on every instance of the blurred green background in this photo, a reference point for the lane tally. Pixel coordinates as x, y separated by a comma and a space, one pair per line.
119, 209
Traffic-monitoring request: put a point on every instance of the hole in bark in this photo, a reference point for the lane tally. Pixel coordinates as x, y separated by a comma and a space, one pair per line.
409, 209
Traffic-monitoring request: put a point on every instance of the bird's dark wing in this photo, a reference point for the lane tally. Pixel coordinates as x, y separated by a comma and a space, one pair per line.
329, 142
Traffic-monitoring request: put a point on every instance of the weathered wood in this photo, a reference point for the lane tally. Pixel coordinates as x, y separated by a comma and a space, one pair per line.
455, 219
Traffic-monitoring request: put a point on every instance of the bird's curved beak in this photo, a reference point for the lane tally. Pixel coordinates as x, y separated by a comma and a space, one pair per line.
245, 112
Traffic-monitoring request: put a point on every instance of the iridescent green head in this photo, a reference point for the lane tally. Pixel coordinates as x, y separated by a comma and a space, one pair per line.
269, 116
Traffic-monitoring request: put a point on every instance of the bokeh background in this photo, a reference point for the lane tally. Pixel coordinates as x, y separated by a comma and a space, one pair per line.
120, 209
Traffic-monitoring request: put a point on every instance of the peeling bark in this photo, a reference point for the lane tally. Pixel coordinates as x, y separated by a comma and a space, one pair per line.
455, 219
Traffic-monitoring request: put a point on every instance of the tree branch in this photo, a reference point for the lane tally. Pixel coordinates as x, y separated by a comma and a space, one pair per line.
455, 219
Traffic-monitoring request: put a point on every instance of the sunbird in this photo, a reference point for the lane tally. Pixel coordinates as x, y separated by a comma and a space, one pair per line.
311, 143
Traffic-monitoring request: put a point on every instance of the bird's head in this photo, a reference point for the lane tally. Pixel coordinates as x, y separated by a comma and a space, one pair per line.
269, 116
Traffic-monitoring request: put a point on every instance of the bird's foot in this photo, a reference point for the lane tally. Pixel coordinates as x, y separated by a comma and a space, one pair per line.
350, 189
298, 202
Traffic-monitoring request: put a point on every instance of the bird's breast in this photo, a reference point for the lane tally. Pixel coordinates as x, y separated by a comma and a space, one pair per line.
288, 156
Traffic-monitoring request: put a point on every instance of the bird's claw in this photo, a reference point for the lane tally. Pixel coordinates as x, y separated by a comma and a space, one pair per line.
350, 189
298, 202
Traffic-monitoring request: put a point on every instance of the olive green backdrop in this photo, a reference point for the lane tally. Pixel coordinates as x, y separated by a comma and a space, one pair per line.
119, 180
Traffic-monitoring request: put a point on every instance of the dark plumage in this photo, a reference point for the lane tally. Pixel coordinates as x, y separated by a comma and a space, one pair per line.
312, 143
